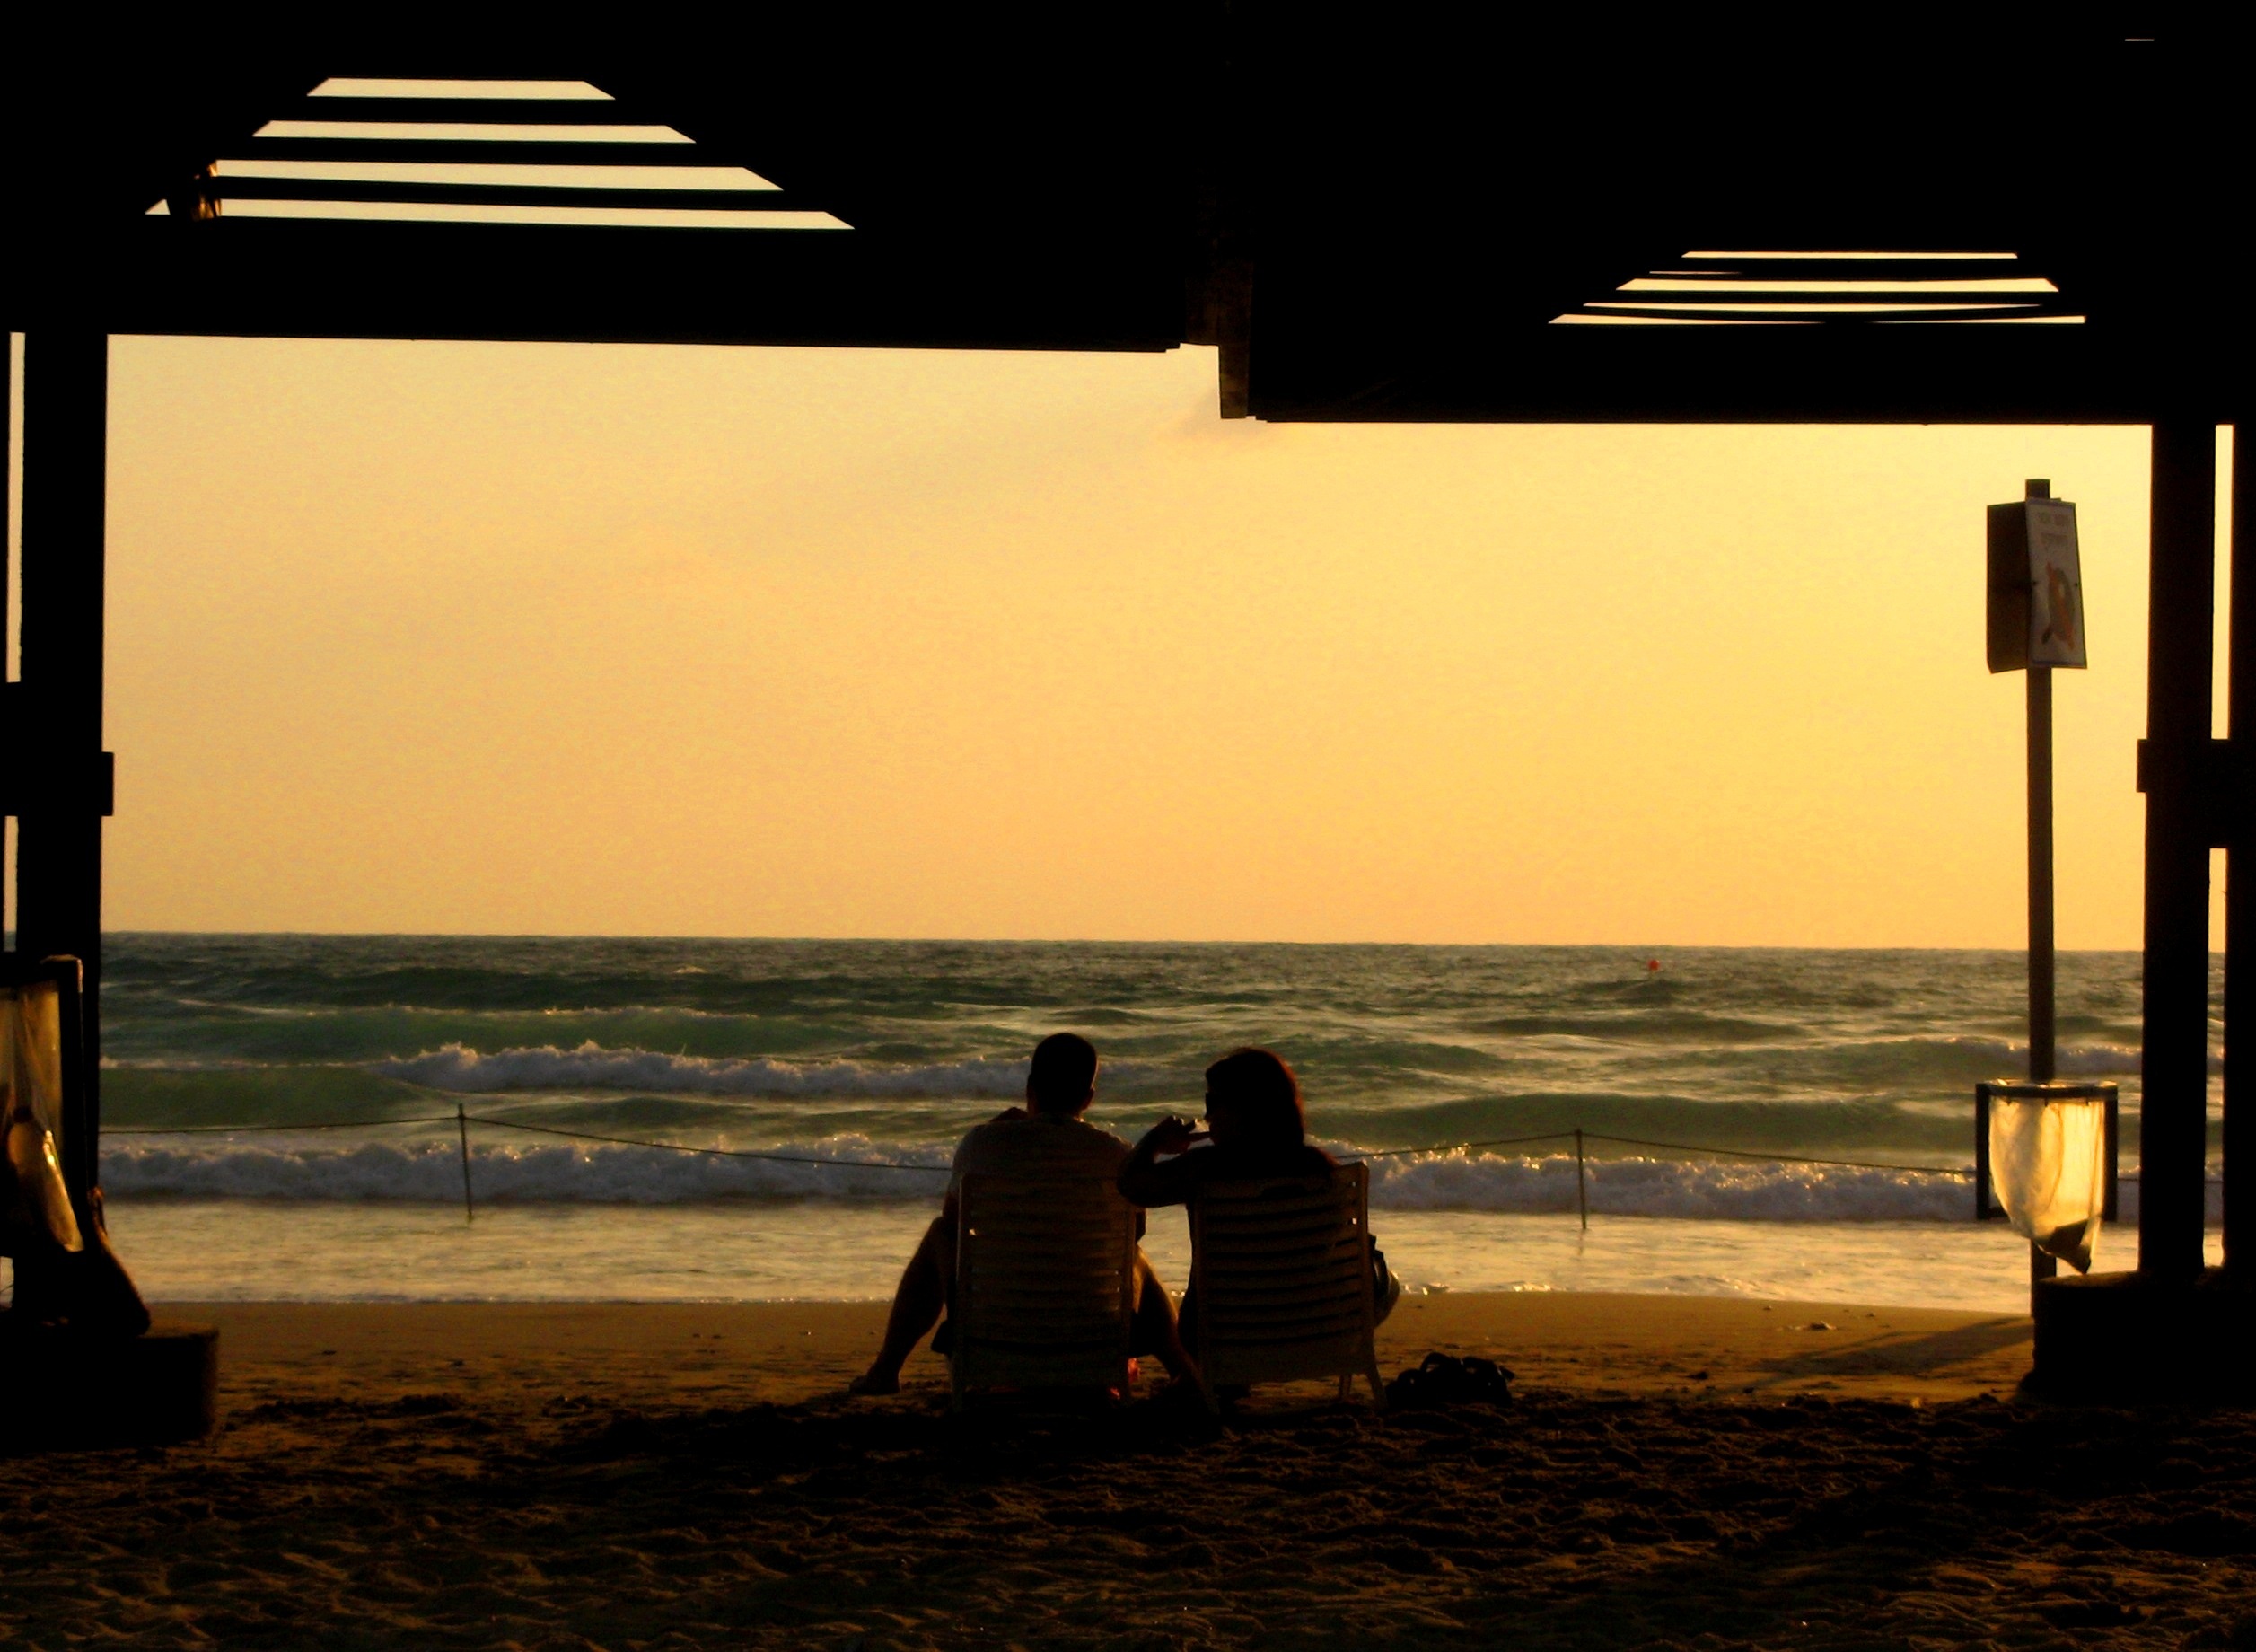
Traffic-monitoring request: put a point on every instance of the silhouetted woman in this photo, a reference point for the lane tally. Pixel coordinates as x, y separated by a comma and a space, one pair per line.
1257, 1127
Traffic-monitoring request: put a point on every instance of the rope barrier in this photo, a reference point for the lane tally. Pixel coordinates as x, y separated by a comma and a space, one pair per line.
1780, 1158
237, 1130
463, 1119
1459, 1147
723, 1153
459, 1117
1673, 1146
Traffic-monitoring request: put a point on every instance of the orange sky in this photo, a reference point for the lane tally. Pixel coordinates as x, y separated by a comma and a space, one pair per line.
516, 638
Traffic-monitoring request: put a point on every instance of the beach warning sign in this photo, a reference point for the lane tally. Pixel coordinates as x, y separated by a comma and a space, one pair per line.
2056, 584
2036, 585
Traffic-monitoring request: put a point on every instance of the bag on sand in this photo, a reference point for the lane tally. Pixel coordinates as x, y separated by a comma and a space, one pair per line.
1443, 1380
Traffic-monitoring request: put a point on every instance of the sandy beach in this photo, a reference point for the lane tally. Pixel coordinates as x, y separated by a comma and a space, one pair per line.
1674, 1471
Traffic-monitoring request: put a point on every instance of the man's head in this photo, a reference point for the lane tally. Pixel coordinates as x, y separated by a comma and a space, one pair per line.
1063, 1080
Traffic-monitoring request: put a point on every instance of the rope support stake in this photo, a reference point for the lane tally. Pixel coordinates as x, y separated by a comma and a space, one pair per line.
462, 1132
1582, 1182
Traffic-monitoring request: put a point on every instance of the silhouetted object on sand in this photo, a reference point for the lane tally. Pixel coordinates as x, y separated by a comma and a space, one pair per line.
1441, 1381
76, 1334
66, 1272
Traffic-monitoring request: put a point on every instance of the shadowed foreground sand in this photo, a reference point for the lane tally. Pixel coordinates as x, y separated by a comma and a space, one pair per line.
1677, 1470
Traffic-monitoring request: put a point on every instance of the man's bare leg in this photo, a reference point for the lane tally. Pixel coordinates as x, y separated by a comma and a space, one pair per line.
1156, 1323
919, 1301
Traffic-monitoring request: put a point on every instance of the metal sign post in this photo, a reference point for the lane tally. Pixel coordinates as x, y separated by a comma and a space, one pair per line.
2036, 625
2041, 1031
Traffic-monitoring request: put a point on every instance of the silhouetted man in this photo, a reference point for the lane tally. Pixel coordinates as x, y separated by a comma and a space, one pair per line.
1047, 1137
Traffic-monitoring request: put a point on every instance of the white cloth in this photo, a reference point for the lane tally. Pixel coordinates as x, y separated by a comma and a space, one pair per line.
31, 1190
2048, 1163
32, 1051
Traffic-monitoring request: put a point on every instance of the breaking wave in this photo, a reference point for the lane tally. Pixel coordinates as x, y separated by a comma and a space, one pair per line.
535, 1173
1754, 1191
590, 1065
1974, 1057
458, 1069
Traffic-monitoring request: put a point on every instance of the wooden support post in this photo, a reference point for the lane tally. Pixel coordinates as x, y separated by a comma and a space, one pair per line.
58, 704
462, 1134
2240, 857
7, 557
2173, 1107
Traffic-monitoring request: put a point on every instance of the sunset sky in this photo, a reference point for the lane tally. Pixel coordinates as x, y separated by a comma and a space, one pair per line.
575, 640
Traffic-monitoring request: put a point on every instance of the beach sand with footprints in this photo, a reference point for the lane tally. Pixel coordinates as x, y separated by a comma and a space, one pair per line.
1673, 1471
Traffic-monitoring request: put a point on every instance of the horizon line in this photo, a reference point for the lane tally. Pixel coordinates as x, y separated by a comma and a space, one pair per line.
1648, 948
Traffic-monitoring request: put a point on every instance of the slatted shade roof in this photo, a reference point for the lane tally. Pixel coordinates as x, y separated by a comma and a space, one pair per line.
563, 154
1402, 217
1811, 288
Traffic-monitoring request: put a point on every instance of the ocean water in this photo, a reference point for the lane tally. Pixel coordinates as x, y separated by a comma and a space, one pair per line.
227, 1056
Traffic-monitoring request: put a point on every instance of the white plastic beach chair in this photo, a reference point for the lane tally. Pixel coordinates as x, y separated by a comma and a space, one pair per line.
1280, 1274
1045, 1284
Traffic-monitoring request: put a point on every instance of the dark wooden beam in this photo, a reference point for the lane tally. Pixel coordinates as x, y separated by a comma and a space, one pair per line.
2240, 873
2173, 1099
7, 558
7, 552
57, 719
334, 278
1838, 372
